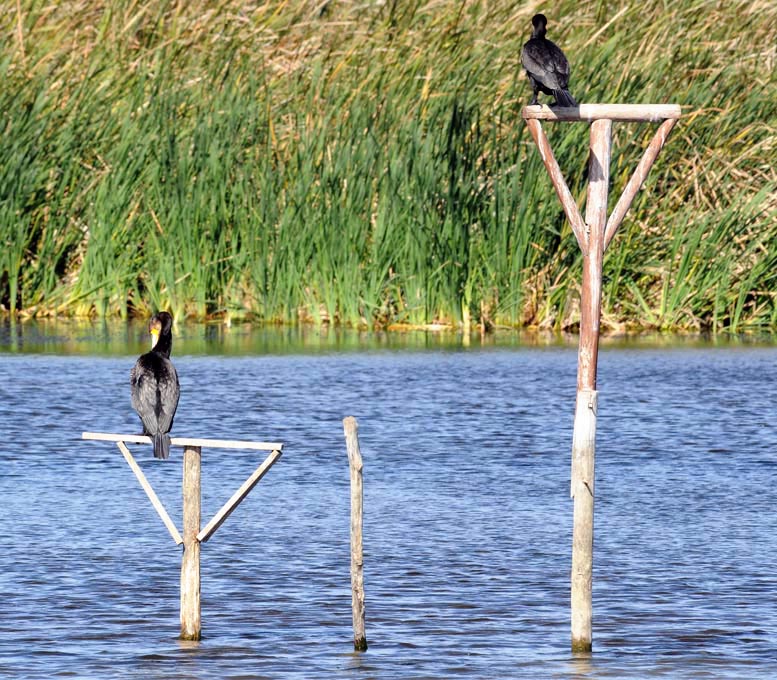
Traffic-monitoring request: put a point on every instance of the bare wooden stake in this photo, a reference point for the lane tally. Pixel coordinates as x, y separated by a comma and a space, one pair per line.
191, 626
351, 427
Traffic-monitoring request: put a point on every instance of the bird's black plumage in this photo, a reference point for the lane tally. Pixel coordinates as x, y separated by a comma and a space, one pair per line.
546, 65
154, 385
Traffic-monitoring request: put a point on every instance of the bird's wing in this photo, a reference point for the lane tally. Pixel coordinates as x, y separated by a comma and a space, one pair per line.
143, 396
169, 393
560, 65
537, 59
531, 58
134, 386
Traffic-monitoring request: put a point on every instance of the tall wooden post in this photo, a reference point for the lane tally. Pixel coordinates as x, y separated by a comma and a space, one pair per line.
191, 625
593, 235
351, 428
584, 437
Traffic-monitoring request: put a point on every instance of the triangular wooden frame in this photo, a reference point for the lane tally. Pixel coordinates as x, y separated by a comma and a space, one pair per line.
226, 510
593, 234
192, 535
667, 114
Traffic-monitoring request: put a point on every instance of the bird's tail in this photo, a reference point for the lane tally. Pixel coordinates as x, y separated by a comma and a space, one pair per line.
162, 445
564, 98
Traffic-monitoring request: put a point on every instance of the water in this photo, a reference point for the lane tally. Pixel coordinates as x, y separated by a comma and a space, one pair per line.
467, 525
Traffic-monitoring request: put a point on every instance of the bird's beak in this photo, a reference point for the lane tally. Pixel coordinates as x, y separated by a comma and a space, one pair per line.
154, 337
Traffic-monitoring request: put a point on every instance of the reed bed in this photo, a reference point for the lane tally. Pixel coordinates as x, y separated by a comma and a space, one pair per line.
365, 163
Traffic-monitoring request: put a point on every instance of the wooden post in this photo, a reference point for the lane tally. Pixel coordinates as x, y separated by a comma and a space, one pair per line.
593, 236
584, 437
191, 626
357, 557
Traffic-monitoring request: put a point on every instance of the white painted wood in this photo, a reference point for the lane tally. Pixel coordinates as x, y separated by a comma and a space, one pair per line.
583, 453
191, 626
589, 112
228, 507
185, 441
150, 493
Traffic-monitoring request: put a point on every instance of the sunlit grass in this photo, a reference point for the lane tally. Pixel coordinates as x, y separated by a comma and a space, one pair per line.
366, 163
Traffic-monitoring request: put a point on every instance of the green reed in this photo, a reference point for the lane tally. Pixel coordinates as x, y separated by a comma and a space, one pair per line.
366, 164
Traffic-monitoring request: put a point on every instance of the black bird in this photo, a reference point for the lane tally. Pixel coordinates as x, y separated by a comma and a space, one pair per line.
154, 385
546, 65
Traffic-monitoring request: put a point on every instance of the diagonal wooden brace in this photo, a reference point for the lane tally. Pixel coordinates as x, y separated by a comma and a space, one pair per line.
237, 497
564, 194
150, 493
637, 179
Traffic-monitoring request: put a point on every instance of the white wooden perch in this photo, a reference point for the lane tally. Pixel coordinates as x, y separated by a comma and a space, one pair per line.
191, 627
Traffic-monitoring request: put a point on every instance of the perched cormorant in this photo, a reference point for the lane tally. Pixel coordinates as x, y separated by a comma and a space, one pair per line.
546, 65
154, 385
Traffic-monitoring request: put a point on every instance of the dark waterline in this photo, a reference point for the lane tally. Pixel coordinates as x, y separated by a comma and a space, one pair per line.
468, 516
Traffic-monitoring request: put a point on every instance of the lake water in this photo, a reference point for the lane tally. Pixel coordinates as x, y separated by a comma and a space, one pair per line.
467, 511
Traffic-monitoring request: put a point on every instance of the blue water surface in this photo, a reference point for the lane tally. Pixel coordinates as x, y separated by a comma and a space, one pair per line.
467, 515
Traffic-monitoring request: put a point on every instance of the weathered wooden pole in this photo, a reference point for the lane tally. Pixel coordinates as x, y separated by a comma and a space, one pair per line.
351, 428
191, 627
584, 437
593, 235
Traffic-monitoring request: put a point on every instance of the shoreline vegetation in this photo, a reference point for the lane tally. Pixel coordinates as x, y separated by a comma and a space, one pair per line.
365, 164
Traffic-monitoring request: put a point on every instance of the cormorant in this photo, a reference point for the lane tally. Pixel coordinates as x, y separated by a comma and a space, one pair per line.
546, 65
154, 385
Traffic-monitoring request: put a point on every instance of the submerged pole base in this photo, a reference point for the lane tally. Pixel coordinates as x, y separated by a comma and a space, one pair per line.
195, 636
360, 644
582, 646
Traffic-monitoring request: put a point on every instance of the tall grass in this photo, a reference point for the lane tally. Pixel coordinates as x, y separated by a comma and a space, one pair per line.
366, 163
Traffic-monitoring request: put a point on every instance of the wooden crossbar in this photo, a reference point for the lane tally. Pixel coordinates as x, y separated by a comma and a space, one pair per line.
644, 113
185, 441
